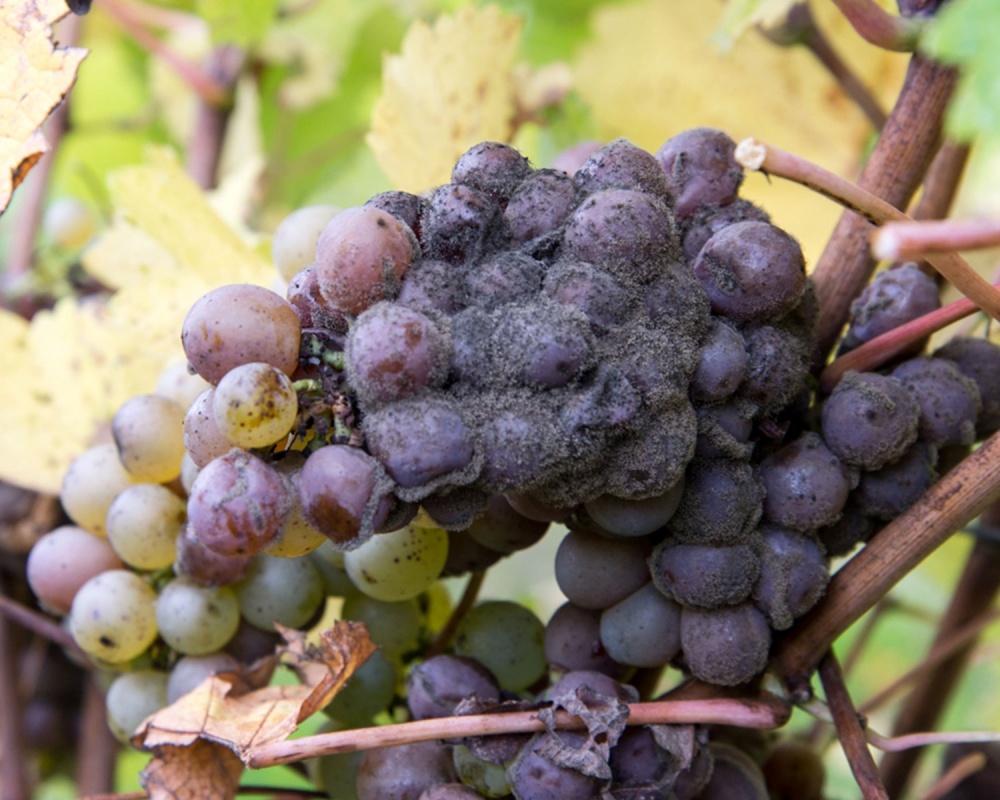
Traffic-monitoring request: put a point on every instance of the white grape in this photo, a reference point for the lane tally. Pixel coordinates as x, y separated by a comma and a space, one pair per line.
113, 617
143, 524
398, 565
194, 619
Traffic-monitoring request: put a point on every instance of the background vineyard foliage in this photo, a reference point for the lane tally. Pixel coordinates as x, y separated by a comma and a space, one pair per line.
340, 100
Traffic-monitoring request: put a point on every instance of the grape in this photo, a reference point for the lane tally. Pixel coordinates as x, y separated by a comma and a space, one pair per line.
179, 384
701, 169
652, 464
869, 420
515, 447
432, 285
724, 431
450, 791
979, 359
643, 630
534, 509
794, 771
255, 405
403, 206
466, 555
436, 686
725, 646
638, 761
606, 398
894, 297
404, 772
480, 777
535, 776
703, 576
203, 440
206, 567
238, 505
735, 776
298, 536
237, 324
581, 682
143, 524
337, 774
594, 572
113, 616
630, 234
886, 493
503, 278
600, 297
805, 485
793, 575
721, 503
369, 690
398, 565
676, 305
460, 224
149, 433
621, 165
573, 641
503, 529
63, 560
313, 309
722, 366
454, 509
191, 671
471, 357
251, 644
338, 490
852, 527
284, 591
507, 639
330, 562
393, 352
293, 245
751, 271
491, 167
68, 223
712, 219
393, 626
420, 440
131, 698
949, 401
573, 157
195, 620
540, 204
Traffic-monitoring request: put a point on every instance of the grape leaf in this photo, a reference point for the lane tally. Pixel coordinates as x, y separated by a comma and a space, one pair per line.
34, 77
740, 15
451, 87
964, 33
241, 24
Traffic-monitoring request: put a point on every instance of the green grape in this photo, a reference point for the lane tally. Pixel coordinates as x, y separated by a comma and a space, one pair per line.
393, 626
113, 617
92, 481
337, 774
368, 691
490, 780
255, 405
143, 524
178, 383
131, 698
507, 639
330, 563
287, 591
191, 671
294, 244
398, 565
194, 619
149, 433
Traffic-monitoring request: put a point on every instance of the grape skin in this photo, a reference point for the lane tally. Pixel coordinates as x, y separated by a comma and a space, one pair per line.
203, 440
91, 482
143, 524
293, 245
149, 433
336, 488
594, 572
255, 405
725, 646
643, 630
131, 698
399, 565
195, 620
404, 772
701, 169
436, 686
283, 591
507, 639
63, 560
113, 616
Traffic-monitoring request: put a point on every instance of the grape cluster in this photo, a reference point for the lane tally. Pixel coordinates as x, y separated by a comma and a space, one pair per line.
623, 350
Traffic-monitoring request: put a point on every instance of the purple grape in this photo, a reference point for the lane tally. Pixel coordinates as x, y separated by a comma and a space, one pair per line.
534, 509
703, 576
886, 493
677, 305
515, 447
805, 485
639, 764
979, 359
502, 278
651, 463
852, 528
722, 366
593, 291
712, 219
583, 682
313, 309
404, 772
491, 167
420, 441
206, 567
949, 401
534, 775
630, 518
461, 224
455, 508
450, 791
630, 234
777, 366
502, 529
751, 271
436, 686
793, 575
735, 776
724, 432
725, 646
621, 165
540, 204
432, 285
643, 629
720, 505
573, 642
466, 555
595, 573
869, 420
393, 352
238, 505
701, 169
339, 489
893, 298
403, 206
471, 353
604, 399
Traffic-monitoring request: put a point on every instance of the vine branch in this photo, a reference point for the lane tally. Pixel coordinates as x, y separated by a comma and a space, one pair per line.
880, 28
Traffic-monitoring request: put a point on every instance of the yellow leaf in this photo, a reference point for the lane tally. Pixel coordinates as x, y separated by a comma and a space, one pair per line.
651, 71
742, 14
450, 88
34, 77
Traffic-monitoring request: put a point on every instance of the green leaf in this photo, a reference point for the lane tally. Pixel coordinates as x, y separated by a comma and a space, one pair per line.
964, 33
241, 23
743, 14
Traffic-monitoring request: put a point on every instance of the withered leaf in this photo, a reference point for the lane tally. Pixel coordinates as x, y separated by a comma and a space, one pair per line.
201, 771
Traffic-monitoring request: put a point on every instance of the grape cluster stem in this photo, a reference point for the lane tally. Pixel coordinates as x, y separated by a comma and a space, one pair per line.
878, 27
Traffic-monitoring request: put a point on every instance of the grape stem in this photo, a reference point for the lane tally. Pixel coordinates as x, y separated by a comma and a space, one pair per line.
762, 713
880, 28
465, 604
771, 160
908, 240
40, 624
97, 747
850, 730
876, 352
957, 773
950, 504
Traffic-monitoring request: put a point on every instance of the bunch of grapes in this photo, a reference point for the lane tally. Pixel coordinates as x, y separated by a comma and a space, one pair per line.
624, 350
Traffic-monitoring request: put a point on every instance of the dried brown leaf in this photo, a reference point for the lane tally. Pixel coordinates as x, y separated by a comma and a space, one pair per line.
200, 771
